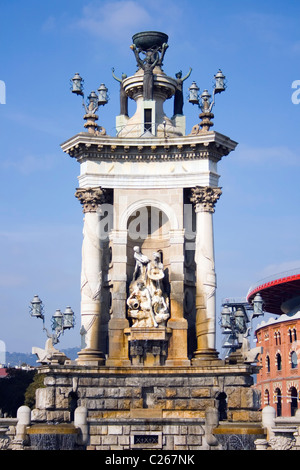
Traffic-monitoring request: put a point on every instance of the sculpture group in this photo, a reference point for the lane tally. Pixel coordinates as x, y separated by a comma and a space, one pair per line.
148, 304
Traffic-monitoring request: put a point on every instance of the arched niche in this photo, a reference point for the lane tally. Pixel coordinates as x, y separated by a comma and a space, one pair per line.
149, 228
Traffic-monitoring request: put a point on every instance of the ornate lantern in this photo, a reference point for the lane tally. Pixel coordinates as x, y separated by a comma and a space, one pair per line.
77, 84
258, 305
57, 321
193, 95
36, 309
219, 82
68, 319
102, 95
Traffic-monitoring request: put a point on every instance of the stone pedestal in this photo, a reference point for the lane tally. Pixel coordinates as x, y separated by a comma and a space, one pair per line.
124, 405
148, 346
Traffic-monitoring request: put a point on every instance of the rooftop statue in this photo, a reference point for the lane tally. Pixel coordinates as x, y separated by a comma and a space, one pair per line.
123, 96
178, 99
153, 45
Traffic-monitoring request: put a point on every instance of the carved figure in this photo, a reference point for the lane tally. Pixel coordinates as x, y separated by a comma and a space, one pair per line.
49, 354
160, 307
140, 306
151, 60
155, 273
141, 262
178, 98
123, 96
148, 306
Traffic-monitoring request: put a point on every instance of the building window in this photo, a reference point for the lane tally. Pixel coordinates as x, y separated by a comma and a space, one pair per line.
293, 335
278, 401
294, 360
268, 364
267, 397
294, 400
277, 338
148, 119
278, 361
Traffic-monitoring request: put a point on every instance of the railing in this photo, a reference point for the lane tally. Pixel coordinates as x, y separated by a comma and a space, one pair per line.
275, 277
143, 129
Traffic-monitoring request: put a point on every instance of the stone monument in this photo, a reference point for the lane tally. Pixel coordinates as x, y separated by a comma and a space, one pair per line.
148, 374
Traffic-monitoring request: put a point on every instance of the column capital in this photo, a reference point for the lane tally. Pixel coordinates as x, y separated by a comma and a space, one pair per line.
90, 198
205, 198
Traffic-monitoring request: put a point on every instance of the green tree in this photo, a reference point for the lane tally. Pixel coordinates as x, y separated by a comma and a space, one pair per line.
13, 388
38, 382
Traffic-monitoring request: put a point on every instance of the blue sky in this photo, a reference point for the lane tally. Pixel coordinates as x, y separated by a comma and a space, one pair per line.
257, 224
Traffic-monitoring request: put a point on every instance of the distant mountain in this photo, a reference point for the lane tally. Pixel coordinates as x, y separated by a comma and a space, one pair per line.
16, 359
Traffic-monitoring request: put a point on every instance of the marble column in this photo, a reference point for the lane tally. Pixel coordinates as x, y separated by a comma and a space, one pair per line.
91, 277
204, 200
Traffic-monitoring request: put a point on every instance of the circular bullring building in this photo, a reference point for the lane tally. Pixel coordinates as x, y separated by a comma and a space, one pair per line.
279, 377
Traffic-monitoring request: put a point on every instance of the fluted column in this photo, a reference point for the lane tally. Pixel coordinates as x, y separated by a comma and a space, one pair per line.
91, 277
204, 199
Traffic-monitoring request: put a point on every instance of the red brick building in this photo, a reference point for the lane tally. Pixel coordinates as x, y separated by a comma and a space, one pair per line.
279, 377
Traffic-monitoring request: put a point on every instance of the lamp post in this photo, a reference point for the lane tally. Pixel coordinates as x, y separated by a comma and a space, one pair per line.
60, 321
204, 100
94, 101
236, 323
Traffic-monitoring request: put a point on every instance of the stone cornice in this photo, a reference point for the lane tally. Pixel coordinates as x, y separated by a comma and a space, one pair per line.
210, 145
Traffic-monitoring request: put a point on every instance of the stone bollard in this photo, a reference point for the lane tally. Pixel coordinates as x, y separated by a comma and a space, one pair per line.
80, 421
268, 417
24, 420
211, 422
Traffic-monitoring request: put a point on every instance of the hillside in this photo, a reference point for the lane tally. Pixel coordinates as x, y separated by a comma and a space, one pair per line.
14, 359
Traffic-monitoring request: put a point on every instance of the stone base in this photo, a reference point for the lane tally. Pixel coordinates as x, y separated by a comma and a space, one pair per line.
206, 355
150, 407
90, 357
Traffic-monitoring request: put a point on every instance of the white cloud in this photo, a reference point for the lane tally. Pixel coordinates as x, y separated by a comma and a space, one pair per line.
117, 19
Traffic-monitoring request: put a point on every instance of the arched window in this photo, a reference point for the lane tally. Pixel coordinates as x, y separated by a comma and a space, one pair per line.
268, 364
294, 400
267, 397
278, 361
294, 360
295, 334
73, 403
278, 401
290, 335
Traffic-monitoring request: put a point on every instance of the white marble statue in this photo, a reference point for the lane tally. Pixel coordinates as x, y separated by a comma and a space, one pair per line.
148, 306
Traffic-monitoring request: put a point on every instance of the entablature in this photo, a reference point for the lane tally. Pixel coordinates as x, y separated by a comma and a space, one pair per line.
210, 145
